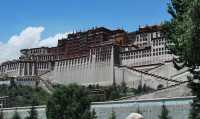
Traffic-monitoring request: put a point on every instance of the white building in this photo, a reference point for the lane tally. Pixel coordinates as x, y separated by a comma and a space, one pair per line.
101, 56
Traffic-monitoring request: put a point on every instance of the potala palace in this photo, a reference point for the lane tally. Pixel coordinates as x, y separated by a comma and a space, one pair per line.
100, 56
103, 56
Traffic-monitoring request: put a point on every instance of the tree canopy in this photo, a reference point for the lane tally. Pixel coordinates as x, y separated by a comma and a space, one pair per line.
20, 96
164, 113
69, 102
112, 115
183, 32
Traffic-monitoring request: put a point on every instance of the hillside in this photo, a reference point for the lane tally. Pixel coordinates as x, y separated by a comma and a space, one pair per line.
23, 95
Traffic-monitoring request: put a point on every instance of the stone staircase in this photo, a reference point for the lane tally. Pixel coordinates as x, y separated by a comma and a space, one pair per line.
152, 75
47, 85
158, 66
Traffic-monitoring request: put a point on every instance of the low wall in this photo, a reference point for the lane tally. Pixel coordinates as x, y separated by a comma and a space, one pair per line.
179, 108
24, 112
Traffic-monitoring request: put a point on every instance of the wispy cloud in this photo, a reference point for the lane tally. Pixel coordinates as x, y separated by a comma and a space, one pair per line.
30, 37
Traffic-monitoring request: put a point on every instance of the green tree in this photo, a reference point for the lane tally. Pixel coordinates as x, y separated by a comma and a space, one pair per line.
124, 88
93, 114
112, 115
139, 89
195, 58
183, 32
69, 102
164, 113
160, 86
145, 88
13, 83
16, 115
112, 92
20, 96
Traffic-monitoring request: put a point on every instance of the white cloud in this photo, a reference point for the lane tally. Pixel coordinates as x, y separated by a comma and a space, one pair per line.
52, 41
30, 37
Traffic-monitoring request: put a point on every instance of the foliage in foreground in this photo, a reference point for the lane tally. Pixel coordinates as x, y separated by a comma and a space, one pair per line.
164, 113
105, 93
183, 31
23, 95
112, 115
69, 102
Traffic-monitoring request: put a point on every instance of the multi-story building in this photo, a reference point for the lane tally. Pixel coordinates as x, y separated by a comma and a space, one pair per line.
146, 46
96, 56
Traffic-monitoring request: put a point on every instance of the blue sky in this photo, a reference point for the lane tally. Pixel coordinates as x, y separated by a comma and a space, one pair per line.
58, 16
36, 23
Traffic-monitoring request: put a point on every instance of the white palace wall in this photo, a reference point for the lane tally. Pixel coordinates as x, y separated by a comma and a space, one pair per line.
134, 78
166, 69
95, 69
100, 67
25, 68
131, 61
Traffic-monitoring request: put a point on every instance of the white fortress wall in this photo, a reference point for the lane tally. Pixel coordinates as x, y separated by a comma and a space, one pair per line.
11, 69
134, 78
94, 69
159, 64
25, 68
182, 76
181, 90
129, 60
166, 70
98, 68
169, 71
